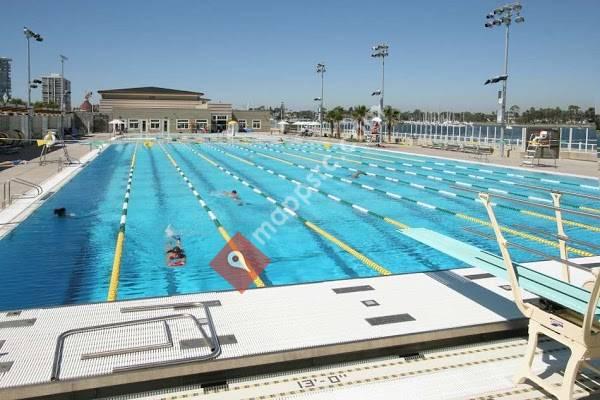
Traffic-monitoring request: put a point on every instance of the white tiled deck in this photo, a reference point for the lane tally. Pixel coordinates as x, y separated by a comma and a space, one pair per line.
270, 325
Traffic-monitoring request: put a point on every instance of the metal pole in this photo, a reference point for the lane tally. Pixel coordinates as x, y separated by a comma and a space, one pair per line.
321, 108
29, 110
381, 99
504, 84
62, 94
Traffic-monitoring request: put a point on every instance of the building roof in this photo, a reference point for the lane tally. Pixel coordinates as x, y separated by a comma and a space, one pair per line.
149, 90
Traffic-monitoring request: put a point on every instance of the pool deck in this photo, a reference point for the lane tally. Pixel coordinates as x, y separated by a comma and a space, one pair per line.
564, 166
259, 328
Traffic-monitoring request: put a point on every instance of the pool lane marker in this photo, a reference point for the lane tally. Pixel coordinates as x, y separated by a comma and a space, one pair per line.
347, 248
427, 188
466, 217
487, 171
445, 171
220, 228
113, 286
431, 177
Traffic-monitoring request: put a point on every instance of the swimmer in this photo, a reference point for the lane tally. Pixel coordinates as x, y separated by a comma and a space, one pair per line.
233, 195
357, 174
62, 213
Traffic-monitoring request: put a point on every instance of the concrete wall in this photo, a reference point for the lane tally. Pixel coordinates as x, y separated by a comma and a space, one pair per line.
249, 116
40, 123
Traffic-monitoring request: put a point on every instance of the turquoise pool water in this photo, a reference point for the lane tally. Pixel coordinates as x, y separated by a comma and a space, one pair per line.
49, 261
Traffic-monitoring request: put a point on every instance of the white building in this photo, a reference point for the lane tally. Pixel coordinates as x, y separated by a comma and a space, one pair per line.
52, 88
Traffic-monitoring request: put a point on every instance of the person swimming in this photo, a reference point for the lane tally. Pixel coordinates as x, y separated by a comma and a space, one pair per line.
61, 212
233, 195
175, 254
357, 174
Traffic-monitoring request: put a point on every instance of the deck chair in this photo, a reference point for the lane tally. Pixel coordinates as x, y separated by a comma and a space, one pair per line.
573, 322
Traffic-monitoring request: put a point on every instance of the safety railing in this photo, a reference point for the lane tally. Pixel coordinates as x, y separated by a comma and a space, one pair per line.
211, 339
8, 197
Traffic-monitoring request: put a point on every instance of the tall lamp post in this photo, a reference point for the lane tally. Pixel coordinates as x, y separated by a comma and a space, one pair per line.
62, 94
381, 51
28, 35
504, 16
321, 70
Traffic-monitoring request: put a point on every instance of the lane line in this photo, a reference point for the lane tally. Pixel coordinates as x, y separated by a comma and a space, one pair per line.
258, 282
314, 227
113, 285
466, 217
442, 192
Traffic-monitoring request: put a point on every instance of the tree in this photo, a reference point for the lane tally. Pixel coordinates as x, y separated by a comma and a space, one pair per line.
514, 112
391, 116
338, 117
359, 113
16, 101
573, 112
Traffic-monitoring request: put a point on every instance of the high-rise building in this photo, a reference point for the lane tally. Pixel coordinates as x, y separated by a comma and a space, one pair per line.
5, 86
52, 88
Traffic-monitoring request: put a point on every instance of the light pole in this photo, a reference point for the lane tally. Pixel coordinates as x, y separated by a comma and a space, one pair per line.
381, 51
28, 35
62, 93
321, 70
504, 16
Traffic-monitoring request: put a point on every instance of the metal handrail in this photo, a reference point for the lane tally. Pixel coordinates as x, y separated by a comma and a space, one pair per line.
212, 341
7, 197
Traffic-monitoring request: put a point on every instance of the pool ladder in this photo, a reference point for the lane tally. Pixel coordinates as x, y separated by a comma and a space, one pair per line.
211, 339
8, 197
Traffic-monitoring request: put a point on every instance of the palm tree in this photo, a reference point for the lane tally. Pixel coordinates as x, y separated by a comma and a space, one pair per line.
330, 117
391, 116
359, 114
338, 116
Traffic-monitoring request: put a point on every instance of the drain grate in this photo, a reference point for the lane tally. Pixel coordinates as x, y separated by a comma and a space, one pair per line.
353, 289
370, 303
389, 319
18, 323
5, 366
505, 287
479, 276
195, 343
13, 313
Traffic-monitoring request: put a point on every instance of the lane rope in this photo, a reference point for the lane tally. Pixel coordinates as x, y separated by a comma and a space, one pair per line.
113, 286
395, 196
213, 217
487, 171
444, 193
314, 227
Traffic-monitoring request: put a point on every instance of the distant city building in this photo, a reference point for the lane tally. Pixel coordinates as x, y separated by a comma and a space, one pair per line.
52, 88
155, 109
5, 79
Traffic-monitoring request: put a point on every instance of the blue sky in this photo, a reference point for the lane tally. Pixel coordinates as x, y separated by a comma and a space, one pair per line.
264, 52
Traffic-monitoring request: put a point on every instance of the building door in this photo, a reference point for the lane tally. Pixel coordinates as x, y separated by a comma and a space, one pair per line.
165, 126
144, 127
218, 123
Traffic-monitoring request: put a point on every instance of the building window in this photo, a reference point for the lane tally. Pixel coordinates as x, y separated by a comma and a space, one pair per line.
201, 124
242, 123
256, 124
134, 124
183, 124
155, 124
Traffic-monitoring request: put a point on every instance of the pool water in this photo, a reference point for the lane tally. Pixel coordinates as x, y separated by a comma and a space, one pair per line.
48, 261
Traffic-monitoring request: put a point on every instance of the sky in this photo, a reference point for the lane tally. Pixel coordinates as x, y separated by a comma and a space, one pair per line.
264, 52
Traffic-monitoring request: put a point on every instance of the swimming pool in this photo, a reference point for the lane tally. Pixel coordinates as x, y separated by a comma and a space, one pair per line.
335, 226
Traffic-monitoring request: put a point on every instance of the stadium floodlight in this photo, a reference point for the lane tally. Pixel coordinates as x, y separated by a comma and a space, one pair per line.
321, 69
503, 16
380, 51
28, 35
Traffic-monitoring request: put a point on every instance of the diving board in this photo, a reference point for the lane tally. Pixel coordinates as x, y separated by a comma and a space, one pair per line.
535, 282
